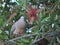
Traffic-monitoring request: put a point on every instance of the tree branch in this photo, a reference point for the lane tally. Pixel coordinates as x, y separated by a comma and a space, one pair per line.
53, 9
35, 41
22, 37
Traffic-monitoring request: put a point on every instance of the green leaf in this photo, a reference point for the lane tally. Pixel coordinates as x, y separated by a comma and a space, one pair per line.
45, 19
58, 40
25, 40
3, 37
0, 31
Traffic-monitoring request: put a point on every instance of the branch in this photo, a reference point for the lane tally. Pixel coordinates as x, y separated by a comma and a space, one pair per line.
35, 41
22, 37
52, 10
12, 16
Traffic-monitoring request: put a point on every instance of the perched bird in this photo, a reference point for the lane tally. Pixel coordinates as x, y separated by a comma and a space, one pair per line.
18, 27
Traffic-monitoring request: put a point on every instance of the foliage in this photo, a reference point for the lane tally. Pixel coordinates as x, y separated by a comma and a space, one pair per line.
47, 21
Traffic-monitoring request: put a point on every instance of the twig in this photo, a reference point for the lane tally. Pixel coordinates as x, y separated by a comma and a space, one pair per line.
12, 16
17, 38
35, 41
53, 9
